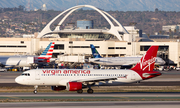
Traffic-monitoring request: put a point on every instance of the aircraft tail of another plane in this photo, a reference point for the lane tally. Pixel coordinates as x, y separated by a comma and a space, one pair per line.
95, 53
47, 53
147, 62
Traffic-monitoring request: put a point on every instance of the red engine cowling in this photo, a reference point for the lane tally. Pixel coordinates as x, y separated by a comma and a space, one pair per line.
74, 86
58, 88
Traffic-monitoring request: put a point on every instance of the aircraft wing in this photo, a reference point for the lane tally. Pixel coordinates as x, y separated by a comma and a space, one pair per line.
97, 79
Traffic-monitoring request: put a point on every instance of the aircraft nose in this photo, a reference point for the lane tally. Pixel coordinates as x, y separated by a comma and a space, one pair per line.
18, 80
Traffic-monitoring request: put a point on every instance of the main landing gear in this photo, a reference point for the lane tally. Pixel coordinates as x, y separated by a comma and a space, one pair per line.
35, 89
80, 91
90, 91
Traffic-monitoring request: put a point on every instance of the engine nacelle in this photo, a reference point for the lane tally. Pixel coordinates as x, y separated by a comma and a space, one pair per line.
58, 88
74, 86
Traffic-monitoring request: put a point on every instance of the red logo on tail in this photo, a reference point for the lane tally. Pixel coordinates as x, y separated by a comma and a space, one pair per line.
148, 60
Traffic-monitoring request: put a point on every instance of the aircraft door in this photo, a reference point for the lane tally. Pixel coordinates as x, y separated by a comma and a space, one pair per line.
37, 75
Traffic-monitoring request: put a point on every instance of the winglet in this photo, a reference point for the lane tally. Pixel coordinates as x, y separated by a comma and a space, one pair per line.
147, 61
95, 53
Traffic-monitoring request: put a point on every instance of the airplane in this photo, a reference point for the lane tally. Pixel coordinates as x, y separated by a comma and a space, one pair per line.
117, 61
27, 61
78, 79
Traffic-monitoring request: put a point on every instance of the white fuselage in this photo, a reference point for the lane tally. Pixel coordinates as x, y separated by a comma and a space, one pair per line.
122, 61
20, 61
57, 77
16, 61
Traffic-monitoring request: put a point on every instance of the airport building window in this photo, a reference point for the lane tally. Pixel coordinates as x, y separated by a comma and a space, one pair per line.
22, 42
21, 46
85, 47
82, 47
3, 46
120, 47
59, 46
129, 43
97, 47
54, 55
144, 48
110, 47
161, 48
12, 46
75, 46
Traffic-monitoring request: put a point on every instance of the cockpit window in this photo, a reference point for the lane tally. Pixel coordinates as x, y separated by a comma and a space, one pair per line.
25, 74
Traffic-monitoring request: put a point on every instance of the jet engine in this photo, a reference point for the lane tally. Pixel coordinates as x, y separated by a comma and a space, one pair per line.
58, 88
74, 86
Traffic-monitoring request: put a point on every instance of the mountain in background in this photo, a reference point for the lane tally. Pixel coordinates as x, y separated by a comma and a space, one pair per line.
107, 5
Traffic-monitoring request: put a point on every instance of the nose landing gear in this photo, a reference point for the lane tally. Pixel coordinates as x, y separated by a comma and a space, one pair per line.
35, 89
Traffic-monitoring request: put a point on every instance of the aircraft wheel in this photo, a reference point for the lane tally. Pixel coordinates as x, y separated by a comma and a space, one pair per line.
80, 91
35, 91
90, 91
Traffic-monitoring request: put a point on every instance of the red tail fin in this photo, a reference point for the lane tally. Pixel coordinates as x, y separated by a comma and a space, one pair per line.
148, 60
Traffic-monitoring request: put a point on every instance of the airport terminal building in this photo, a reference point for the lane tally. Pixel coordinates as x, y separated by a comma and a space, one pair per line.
116, 41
